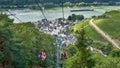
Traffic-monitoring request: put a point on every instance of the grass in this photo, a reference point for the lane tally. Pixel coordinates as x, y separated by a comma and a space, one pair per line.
90, 31
110, 25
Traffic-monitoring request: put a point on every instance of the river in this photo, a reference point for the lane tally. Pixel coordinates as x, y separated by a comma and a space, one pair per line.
27, 15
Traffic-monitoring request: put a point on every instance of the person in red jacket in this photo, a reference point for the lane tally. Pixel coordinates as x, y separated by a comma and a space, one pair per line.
43, 54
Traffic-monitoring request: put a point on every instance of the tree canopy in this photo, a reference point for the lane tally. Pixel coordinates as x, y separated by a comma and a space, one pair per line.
21, 43
24, 2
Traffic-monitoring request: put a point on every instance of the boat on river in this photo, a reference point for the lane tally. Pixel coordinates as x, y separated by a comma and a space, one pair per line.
11, 14
78, 10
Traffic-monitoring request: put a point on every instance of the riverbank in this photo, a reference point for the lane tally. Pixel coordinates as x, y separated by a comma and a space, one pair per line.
51, 6
27, 15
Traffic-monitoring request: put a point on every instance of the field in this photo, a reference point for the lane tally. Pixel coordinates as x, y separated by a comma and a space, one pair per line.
110, 24
90, 31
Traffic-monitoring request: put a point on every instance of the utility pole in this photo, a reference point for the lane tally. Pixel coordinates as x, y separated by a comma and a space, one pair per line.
56, 62
58, 45
63, 8
57, 56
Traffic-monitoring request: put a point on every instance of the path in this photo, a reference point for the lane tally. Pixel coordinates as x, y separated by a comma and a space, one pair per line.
104, 34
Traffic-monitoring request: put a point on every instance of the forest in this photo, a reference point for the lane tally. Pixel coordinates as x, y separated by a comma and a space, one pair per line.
27, 2
21, 43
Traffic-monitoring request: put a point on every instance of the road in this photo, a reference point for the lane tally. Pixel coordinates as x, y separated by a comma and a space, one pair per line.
106, 36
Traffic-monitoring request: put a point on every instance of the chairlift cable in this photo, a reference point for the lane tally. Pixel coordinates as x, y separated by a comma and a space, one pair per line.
40, 8
14, 16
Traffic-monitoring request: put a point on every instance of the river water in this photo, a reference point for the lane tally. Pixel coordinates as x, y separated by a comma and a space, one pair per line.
27, 15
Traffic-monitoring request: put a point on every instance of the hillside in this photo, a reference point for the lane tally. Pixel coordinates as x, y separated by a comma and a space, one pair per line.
110, 23
112, 53
21, 43
90, 32
22, 2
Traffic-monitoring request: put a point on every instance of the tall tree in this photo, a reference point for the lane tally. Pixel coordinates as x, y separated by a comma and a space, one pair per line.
82, 43
82, 59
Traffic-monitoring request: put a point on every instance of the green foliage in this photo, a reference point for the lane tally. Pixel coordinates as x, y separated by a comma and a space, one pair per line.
107, 49
9, 45
80, 17
69, 17
71, 50
82, 44
22, 2
80, 4
21, 43
74, 17
71, 29
10, 4
111, 24
115, 52
82, 59
106, 62
103, 16
73, 62
34, 41
67, 4
49, 5
90, 31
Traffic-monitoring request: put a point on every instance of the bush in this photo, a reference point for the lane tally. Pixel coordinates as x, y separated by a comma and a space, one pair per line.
74, 17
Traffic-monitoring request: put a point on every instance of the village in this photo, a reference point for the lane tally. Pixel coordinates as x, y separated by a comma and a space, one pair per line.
58, 28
